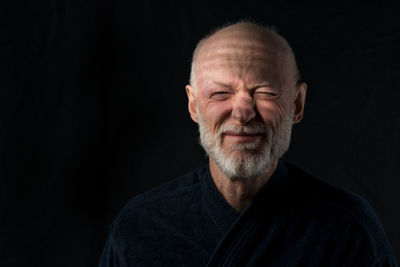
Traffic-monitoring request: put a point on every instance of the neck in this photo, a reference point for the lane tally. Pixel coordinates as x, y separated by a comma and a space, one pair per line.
239, 192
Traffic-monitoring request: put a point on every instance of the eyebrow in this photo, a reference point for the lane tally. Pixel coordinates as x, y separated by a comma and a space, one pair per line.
223, 84
254, 86
262, 84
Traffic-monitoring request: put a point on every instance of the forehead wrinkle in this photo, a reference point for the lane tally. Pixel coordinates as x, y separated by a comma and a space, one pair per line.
244, 66
239, 48
254, 37
243, 56
234, 37
243, 50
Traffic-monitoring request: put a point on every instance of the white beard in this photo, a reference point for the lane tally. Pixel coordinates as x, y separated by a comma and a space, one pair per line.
246, 160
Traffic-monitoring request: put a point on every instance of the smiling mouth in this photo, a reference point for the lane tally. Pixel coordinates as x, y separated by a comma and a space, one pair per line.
243, 137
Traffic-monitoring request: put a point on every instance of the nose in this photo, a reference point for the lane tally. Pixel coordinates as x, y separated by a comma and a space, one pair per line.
243, 108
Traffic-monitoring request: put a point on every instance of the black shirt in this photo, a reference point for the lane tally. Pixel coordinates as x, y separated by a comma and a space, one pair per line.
295, 220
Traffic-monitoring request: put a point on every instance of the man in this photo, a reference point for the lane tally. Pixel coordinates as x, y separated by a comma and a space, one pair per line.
247, 208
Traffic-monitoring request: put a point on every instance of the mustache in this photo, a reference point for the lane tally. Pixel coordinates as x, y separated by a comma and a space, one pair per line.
255, 128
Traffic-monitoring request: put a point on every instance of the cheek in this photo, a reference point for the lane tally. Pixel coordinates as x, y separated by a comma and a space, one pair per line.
215, 113
272, 113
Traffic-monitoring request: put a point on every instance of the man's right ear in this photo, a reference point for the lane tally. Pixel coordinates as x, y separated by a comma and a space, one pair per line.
191, 102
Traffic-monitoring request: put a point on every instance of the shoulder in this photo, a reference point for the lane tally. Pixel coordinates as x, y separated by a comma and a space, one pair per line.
315, 189
157, 204
340, 206
176, 188
316, 192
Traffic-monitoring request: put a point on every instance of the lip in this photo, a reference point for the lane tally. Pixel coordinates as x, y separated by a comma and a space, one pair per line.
242, 137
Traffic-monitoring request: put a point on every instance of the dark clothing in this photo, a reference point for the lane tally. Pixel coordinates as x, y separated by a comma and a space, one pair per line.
295, 220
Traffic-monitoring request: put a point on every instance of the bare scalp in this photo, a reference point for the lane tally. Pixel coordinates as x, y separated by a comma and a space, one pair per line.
245, 43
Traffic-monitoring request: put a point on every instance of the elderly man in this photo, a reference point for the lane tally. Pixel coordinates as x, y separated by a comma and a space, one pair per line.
247, 208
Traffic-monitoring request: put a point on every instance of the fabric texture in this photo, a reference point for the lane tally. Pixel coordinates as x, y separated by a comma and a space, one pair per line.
295, 220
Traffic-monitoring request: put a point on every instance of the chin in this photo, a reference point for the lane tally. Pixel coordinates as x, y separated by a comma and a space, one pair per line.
244, 164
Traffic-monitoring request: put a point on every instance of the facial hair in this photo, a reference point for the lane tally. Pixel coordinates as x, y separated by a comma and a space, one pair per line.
246, 160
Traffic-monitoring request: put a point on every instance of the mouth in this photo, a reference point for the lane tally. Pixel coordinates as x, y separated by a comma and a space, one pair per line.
242, 137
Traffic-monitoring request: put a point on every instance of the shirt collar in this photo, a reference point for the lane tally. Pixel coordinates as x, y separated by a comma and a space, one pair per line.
222, 214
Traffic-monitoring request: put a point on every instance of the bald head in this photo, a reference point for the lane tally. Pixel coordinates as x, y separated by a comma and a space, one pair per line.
245, 42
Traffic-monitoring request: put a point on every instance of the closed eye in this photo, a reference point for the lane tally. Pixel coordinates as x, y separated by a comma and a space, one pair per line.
219, 92
266, 93
220, 95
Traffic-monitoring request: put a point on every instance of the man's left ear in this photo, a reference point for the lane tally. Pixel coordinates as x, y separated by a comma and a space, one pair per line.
299, 101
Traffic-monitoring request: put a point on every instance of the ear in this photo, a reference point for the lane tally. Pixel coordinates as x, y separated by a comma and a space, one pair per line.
299, 101
191, 102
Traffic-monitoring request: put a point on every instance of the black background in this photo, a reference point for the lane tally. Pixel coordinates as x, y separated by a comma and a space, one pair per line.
93, 110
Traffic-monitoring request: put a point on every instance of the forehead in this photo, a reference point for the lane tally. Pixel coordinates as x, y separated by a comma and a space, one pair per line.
239, 55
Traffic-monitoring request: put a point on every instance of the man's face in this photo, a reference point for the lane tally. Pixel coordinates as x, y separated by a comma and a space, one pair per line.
244, 105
